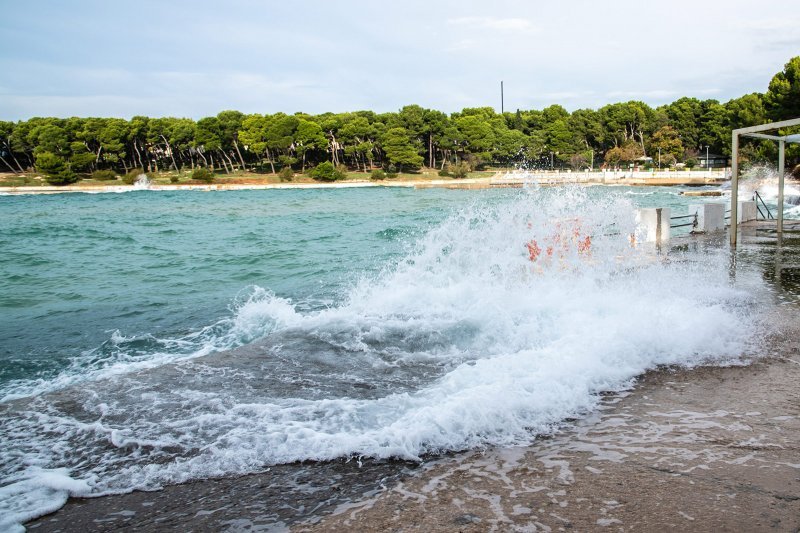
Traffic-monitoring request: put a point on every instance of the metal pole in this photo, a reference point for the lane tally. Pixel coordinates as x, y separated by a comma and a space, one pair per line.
708, 166
734, 186
658, 226
781, 164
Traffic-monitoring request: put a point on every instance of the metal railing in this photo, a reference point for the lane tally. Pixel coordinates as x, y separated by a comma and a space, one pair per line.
693, 223
757, 198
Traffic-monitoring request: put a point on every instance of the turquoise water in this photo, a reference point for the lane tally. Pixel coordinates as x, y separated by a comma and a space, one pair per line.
75, 268
152, 338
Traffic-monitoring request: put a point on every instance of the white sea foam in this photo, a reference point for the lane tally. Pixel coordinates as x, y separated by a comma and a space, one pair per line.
42, 491
764, 180
255, 313
525, 344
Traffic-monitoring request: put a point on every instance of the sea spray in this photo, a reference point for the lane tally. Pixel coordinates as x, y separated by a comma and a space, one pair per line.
764, 181
466, 341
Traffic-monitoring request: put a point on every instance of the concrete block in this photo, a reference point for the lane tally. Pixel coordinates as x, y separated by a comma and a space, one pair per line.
747, 211
652, 225
710, 216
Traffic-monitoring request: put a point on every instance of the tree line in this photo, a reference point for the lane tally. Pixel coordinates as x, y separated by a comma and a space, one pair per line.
616, 134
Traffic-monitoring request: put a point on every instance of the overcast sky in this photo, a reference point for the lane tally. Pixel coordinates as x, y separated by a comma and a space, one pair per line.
196, 58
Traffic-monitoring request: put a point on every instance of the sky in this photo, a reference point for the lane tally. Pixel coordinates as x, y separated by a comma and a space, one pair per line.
117, 58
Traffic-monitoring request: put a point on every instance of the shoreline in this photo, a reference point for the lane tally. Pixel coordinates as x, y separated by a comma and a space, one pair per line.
708, 448
499, 180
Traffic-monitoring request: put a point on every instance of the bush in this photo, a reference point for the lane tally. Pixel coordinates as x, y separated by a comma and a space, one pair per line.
474, 162
460, 170
286, 174
65, 177
326, 172
691, 163
174, 178
202, 174
132, 175
104, 175
391, 171
342, 169
445, 172
55, 169
377, 174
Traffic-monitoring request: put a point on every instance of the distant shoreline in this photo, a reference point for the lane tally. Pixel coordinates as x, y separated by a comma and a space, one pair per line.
499, 180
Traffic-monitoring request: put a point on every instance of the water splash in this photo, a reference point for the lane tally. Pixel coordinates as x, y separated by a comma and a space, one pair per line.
467, 341
142, 182
764, 180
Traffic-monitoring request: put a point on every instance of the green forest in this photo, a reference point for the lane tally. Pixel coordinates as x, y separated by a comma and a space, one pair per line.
65, 150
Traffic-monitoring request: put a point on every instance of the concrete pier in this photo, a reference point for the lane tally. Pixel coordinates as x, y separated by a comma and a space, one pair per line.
710, 216
747, 211
652, 225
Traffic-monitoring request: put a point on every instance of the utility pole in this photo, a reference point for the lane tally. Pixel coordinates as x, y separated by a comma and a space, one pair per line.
502, 110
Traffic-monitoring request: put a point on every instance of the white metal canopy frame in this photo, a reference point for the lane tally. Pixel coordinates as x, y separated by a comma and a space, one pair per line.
756, 132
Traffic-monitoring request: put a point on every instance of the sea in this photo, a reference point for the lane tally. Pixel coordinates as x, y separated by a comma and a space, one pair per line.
154, 338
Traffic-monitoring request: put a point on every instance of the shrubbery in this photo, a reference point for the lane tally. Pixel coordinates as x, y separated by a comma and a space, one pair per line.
391, 172
286, 174
132, 175
203, 174
445, 172
174, 178
326, 172
460, 170
104, 175
377, 174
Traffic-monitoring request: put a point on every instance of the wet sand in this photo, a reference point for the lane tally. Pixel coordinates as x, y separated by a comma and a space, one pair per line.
706, 449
